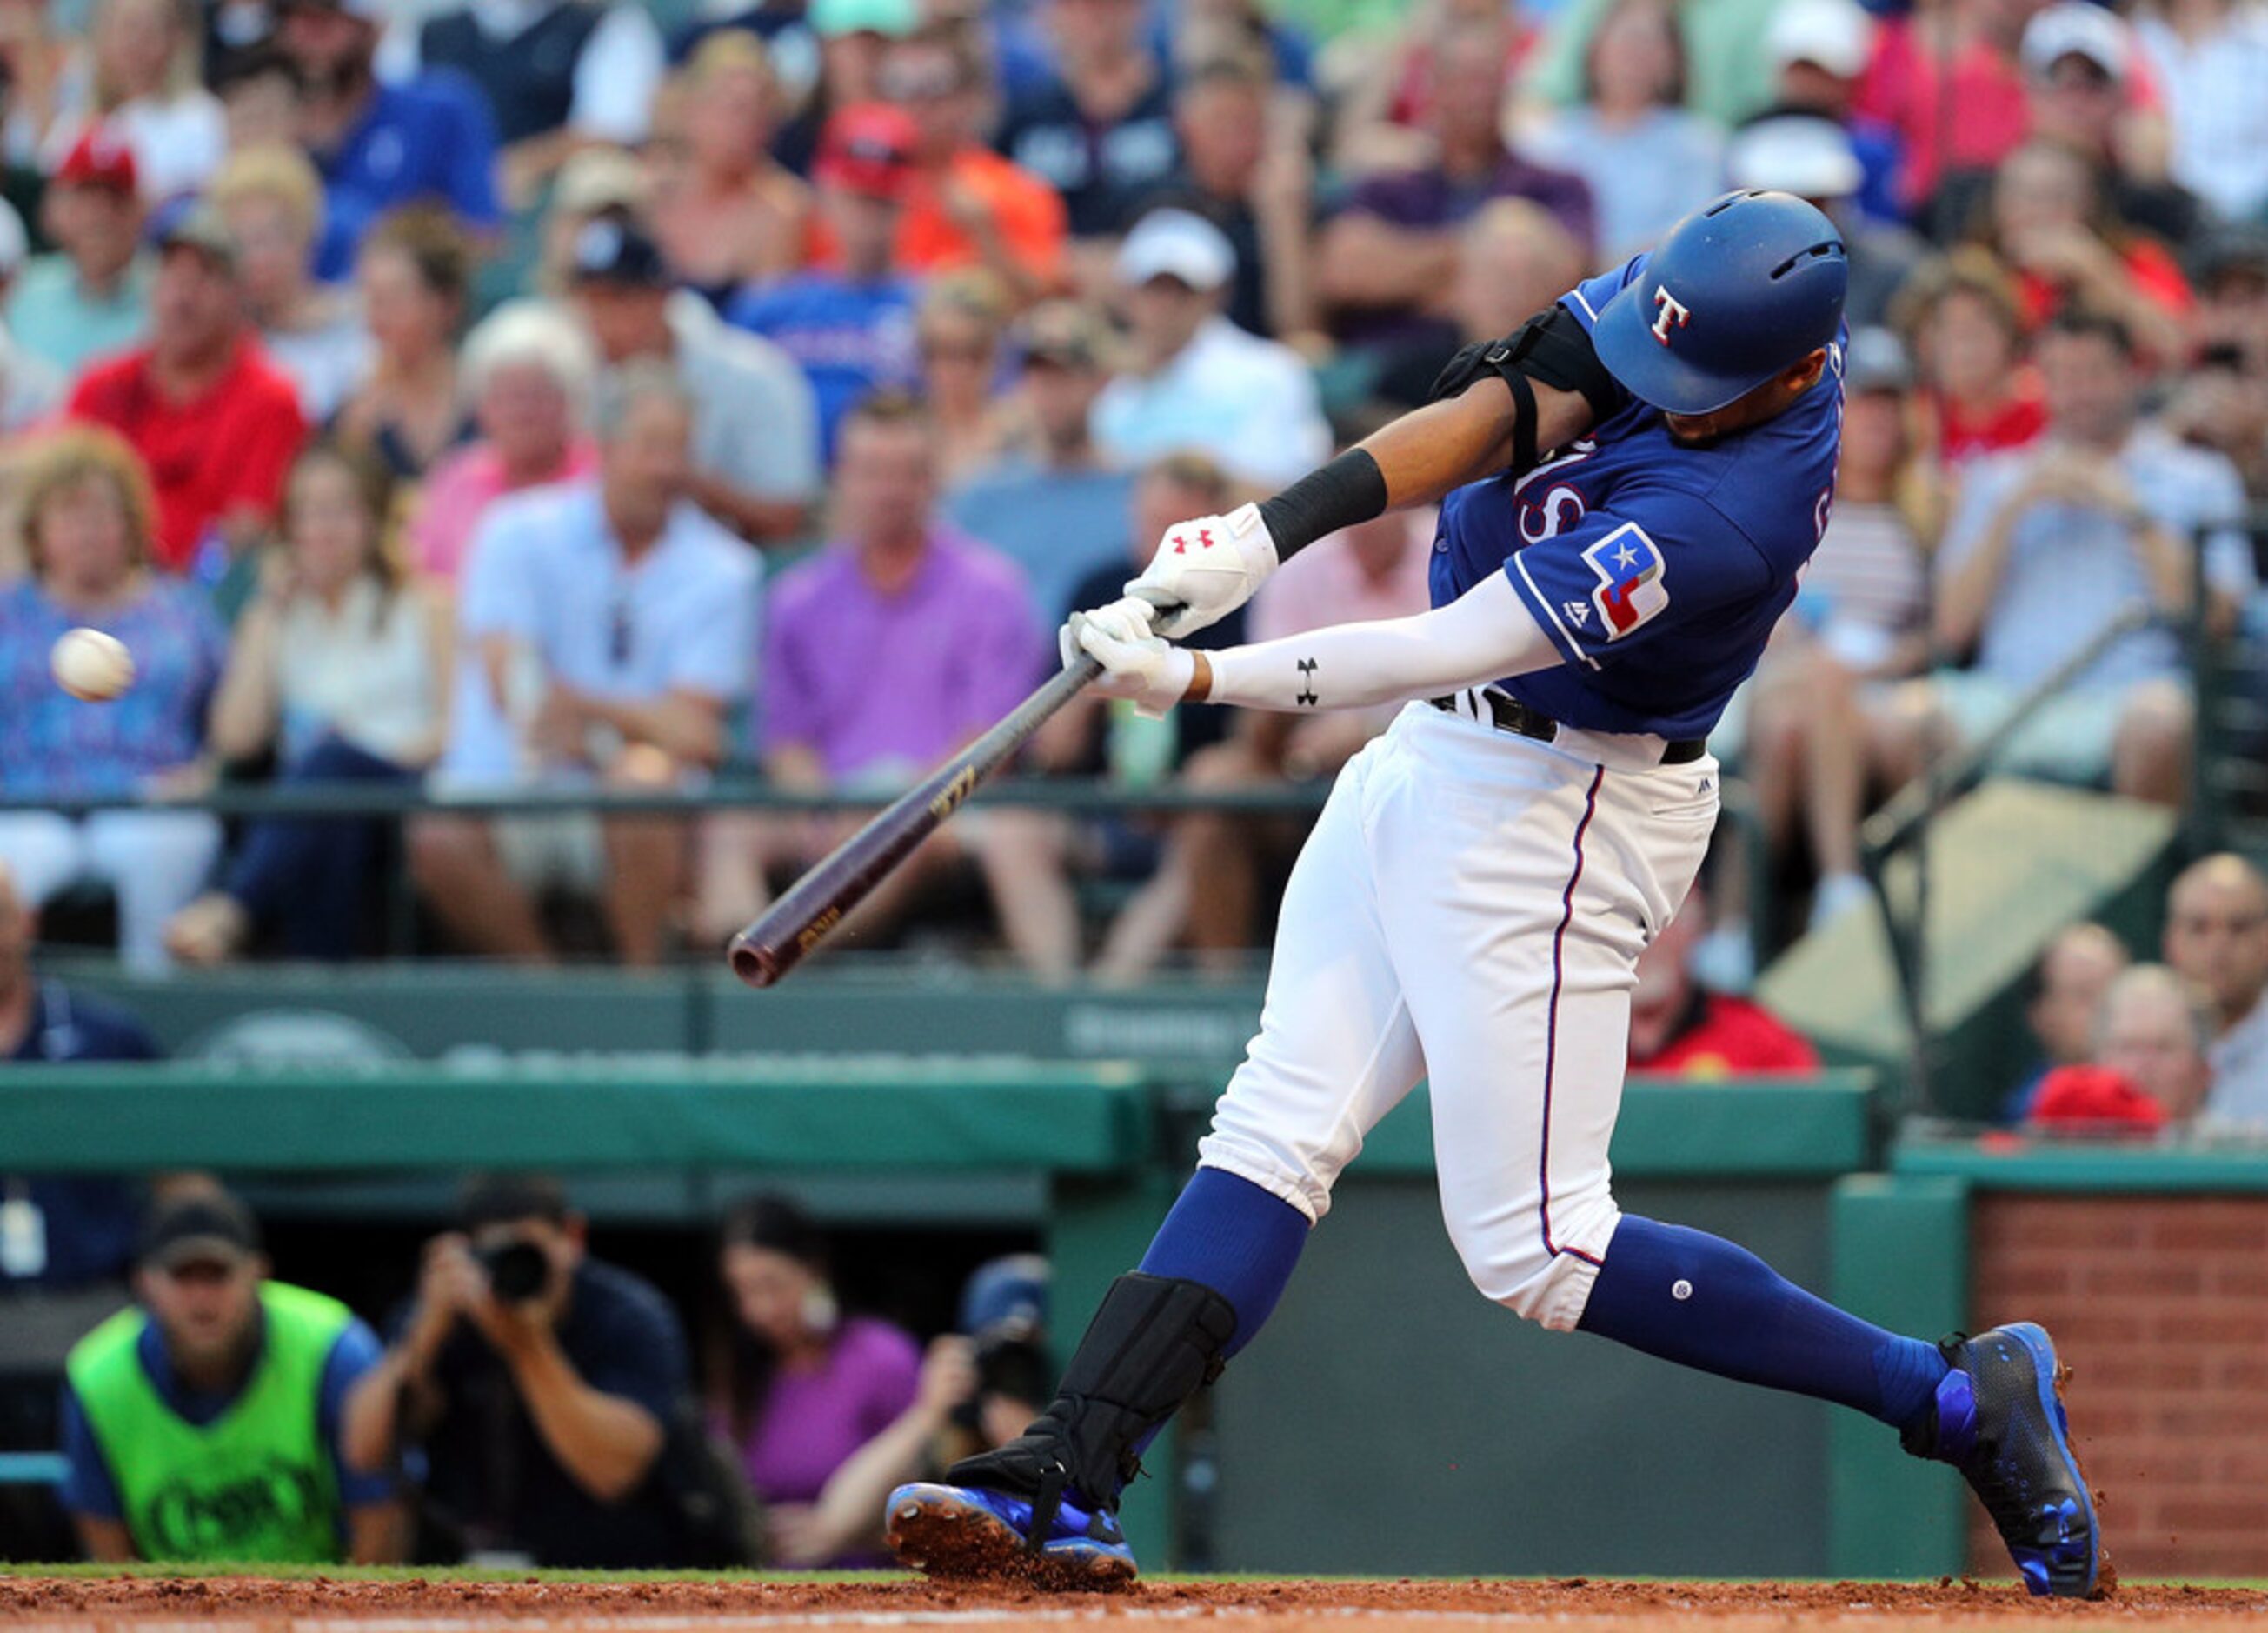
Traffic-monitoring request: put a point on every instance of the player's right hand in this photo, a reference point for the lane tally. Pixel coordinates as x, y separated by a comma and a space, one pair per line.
1208, 566
1136, 665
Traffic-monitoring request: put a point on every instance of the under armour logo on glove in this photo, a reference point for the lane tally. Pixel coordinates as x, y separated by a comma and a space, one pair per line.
1204, 537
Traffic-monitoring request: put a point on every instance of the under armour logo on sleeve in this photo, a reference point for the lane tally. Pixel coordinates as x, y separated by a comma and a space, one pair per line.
1307, 698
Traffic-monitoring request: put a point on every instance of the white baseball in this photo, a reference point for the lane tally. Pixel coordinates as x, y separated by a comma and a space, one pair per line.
91, 665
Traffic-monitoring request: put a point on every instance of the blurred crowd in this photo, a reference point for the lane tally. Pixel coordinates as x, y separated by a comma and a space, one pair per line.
558, 395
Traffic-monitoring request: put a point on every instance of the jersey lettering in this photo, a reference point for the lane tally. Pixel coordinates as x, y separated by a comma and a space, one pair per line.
1560, 510
1631, 589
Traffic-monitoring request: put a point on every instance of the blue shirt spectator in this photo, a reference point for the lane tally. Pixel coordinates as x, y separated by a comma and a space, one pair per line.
430, 139
850, 337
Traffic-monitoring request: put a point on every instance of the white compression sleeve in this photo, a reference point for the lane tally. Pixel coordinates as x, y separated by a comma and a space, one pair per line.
1485, 634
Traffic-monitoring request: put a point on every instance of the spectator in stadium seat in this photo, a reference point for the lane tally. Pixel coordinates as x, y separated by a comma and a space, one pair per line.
1100, 128
960, 327
382, 146
859, 693
2221, 402
2216, 936
1513, 260
1818, 49
138, 80
2082, 70
756, 433
87, 517
1246, 170
850, 328
2049, 544
1049, 502
259, 96
724, 212
339, 667
2148, 1068
2046, 216
807, 1387
1960, 315
1678, 1028
529, 372
1646, 159
969, 206
2210, 58
606, 629
81, 1226
1945, 79
1389, 258
272, 200
1730, 77
2074, 970
211, 418
414, 275
555, 74
546, 1408
91, 297
1814, 159
205, 1425
1194, 379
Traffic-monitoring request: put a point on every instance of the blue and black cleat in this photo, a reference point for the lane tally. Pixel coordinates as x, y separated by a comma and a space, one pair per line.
963, 1532
1999, 1418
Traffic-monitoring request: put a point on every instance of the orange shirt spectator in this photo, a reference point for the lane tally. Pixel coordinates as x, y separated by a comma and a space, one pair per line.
215, 422
976, 184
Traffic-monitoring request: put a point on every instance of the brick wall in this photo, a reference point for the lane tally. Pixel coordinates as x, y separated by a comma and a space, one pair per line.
2159, 1304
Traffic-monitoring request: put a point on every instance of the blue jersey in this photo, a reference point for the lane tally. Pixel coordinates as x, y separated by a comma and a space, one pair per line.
1657, 569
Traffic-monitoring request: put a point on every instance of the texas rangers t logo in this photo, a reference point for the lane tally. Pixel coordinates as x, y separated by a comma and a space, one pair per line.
1630, 589
1669, 312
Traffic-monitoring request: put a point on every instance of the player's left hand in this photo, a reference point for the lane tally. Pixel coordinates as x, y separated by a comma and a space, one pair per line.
1136, 664
1207, 568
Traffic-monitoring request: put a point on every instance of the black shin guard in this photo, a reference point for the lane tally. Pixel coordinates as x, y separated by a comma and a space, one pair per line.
1155, 1341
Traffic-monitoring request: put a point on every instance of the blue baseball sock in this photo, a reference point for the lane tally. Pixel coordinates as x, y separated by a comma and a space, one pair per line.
1229, 1234
1701, 1302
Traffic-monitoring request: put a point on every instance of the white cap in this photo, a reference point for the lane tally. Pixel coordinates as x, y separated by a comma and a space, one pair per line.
1804, 154
1175, 243
2073, 28
15, 244
1836, 34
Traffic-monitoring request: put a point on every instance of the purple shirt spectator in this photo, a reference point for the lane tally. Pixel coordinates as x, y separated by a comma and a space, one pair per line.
1433, 198
812, 1421
54, 746
881, 687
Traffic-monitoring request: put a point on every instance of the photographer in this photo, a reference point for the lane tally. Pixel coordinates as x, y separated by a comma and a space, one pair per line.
541, 1384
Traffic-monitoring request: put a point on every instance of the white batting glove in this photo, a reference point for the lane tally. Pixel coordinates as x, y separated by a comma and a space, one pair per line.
1136, 664
1209, 566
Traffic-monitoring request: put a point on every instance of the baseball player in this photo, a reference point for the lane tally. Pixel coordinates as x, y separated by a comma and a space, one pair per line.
1473, 900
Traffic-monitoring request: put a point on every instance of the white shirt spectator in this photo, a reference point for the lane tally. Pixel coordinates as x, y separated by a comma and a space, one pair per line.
325, 362
545, 569
1868, 584
2072, 568
1250, 402
2214, 94
2239, 1096
1643, 177
178, 143
617, 74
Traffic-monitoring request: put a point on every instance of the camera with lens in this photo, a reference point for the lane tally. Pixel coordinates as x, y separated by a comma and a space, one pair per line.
519, 1272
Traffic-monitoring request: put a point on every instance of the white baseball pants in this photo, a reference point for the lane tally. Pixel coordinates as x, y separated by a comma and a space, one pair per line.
1469, 909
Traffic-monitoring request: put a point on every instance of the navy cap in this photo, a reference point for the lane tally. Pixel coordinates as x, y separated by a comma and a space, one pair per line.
612, 250
204, 1225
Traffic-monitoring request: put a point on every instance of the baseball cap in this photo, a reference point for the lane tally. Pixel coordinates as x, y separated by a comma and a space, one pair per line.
1065, 332
1876, 360
596, 179
2075, 28
1006, 1295
612, 250
1178, 244
1799, 153
206, 1225
100, 159
869, 149
1835, 34
894, 19
200, 228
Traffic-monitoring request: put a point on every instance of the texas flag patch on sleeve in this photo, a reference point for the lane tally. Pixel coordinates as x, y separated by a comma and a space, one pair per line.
1631, 589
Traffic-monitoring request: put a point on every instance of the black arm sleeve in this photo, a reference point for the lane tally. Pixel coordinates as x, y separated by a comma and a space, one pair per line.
1350, 490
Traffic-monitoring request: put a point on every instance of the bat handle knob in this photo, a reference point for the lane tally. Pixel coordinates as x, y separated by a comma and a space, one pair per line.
751, 963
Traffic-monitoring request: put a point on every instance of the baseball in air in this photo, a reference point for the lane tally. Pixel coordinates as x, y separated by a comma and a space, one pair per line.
91, 665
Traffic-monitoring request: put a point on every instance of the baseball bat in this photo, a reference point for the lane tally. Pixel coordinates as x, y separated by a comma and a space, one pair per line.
814, 904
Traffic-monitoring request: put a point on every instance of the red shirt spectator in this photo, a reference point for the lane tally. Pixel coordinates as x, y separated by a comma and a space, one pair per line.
1723, 1036
2094, 1098
216, 423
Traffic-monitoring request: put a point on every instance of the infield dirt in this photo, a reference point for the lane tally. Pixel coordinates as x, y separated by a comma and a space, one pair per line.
252, 1605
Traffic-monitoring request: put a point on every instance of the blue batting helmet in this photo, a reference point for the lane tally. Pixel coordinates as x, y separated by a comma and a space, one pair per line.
1731, 296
